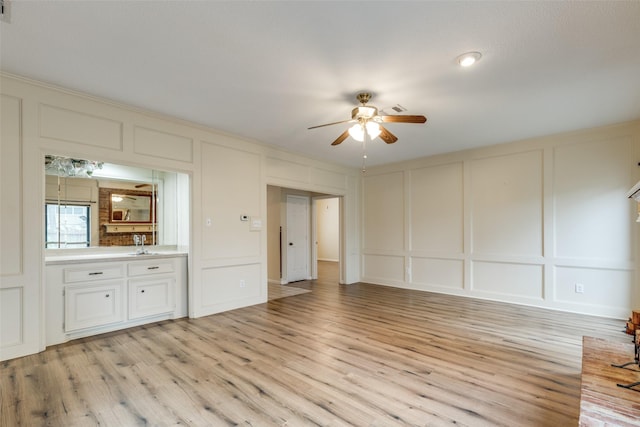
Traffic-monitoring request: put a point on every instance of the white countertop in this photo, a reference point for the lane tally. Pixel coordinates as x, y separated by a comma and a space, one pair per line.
80, 258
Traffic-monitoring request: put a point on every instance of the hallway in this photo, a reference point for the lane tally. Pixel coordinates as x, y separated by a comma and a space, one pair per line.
328, 272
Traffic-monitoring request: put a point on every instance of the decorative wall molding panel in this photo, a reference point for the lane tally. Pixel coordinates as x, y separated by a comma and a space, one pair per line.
11, 318
74, 126
152, 142
11, 261
384, 212
523, 222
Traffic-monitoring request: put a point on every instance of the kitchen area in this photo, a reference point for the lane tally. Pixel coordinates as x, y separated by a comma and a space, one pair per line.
112, 258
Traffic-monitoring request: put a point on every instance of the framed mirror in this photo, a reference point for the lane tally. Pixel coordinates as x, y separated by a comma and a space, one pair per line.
126, 206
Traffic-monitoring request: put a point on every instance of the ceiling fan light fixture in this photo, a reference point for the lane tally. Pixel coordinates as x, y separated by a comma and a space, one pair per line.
468, 59
357, 132
364, 112
373, 129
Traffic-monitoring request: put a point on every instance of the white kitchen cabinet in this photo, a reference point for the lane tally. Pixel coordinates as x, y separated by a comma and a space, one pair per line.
148, 297
85, 297
151, 291
91, 305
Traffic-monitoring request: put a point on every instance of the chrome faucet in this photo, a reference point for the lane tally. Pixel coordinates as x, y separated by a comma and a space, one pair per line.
143, 239
139, 239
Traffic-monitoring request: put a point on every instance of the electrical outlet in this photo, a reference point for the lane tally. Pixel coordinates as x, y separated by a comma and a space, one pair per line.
579, 288
242, 284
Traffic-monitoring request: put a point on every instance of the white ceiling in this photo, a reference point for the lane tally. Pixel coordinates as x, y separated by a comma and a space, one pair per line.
269, 70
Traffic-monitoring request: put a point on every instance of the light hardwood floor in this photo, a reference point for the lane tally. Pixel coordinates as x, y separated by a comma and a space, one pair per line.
360, 355
277, 291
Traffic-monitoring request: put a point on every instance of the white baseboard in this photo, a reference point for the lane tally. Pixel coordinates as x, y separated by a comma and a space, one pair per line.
328, 259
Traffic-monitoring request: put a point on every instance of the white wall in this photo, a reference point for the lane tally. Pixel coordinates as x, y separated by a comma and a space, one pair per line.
228, 178
521, 222
328, 226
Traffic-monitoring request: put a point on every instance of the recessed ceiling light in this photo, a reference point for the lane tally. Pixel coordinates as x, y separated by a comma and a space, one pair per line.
468, 59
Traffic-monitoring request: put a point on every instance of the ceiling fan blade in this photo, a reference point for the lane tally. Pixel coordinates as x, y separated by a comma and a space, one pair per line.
403, 119
331, 124
341, 138
387, 136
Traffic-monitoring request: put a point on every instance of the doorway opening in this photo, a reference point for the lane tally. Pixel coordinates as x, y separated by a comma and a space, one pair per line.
304, 236
327, 238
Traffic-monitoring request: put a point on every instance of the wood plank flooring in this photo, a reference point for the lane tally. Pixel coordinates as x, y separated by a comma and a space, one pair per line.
277, 291
356, 355
602, 402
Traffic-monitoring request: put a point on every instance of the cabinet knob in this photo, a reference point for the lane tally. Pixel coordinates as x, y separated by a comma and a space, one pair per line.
142, 291
107, 296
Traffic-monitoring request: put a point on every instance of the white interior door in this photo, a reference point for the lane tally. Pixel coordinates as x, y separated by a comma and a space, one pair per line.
297, 238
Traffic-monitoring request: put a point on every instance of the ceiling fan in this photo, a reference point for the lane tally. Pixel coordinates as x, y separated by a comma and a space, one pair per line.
367, 120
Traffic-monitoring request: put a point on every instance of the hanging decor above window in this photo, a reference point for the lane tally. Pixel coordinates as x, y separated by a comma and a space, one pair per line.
68, 167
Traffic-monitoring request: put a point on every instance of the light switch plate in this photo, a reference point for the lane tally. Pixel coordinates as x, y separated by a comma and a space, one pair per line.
256, 223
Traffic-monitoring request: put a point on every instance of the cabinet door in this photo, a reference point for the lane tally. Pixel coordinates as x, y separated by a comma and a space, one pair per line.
89, 306
148, 297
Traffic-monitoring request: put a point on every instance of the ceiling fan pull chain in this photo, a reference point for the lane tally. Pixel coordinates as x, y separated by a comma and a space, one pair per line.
364, 153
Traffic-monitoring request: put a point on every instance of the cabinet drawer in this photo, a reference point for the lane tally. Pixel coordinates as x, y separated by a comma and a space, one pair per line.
148, 297
88, 306
91, 273
155, 266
